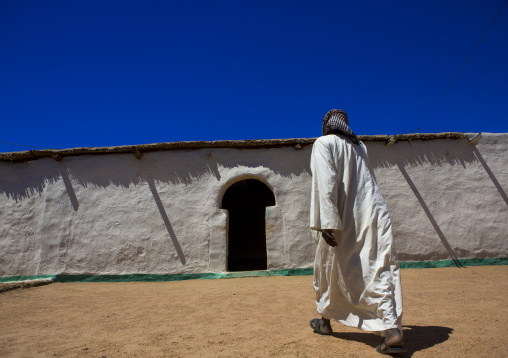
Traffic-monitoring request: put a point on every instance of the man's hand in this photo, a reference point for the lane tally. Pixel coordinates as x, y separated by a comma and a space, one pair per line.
328, 236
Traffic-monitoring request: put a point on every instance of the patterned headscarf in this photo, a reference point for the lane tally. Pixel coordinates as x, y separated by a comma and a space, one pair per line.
336, 121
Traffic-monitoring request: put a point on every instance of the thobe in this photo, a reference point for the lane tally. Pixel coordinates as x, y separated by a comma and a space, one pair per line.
357, 282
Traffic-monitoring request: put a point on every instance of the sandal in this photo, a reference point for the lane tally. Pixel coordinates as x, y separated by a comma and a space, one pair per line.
316, 325
389, 350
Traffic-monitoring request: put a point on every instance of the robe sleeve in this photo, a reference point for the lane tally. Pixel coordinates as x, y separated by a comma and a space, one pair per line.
324, 213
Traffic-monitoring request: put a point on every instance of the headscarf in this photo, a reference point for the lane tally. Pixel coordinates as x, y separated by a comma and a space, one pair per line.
335, 121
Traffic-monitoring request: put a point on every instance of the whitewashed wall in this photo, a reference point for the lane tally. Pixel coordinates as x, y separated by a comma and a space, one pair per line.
115, 214
447, 198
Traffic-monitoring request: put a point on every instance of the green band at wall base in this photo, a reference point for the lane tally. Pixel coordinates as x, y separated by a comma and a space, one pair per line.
455, 263
289, 272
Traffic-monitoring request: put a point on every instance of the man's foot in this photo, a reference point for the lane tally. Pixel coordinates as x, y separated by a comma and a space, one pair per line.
393, 343
321, 326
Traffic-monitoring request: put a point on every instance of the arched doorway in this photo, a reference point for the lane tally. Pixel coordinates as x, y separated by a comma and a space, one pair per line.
246, 202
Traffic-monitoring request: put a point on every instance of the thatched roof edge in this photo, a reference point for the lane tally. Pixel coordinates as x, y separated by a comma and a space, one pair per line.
137, 150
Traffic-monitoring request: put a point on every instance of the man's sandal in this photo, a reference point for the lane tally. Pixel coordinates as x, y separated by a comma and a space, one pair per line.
317, 325
389, 350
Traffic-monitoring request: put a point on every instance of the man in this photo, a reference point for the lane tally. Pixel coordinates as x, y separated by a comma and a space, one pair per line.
356, 272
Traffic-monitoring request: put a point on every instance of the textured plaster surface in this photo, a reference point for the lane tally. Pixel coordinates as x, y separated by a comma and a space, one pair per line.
115, 214
447, 198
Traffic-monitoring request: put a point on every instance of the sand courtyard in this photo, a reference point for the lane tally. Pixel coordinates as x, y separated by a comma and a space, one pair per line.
452, 312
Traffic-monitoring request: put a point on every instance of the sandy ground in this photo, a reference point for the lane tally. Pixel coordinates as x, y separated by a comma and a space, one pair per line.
448, 312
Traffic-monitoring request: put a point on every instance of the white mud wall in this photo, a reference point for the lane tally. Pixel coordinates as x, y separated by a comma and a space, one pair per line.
115, 214
447, 198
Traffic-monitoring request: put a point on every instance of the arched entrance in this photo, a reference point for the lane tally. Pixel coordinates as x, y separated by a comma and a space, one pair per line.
246, 202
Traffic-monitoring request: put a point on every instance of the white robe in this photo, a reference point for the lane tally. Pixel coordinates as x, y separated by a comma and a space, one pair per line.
357, 282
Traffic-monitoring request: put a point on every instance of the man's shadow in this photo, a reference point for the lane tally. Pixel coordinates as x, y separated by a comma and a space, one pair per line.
416, 338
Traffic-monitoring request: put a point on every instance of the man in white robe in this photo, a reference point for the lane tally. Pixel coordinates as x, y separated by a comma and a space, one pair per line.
356, 272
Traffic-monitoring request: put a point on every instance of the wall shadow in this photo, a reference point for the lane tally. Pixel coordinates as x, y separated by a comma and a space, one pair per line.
491, 175
70, 190
196, 165
167, 223
418, 153
24, 180
430, 216
415, 154
416, 338
123, 170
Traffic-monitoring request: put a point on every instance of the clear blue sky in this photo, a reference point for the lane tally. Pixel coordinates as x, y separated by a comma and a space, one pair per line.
102, 73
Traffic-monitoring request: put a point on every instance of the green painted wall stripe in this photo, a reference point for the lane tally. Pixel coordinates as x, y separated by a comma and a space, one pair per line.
136, 277
451, 263
293, 272
289, 272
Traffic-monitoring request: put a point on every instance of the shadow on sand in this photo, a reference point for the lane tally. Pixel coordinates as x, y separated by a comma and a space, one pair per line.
416, 338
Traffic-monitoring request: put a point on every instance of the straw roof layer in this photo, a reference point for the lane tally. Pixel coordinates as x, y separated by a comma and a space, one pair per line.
137, 150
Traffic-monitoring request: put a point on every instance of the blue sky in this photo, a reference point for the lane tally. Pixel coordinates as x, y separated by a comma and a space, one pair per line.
104, 73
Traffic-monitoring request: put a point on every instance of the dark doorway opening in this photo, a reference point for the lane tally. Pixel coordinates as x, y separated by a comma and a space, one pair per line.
246, 202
